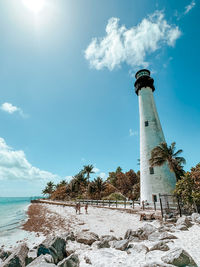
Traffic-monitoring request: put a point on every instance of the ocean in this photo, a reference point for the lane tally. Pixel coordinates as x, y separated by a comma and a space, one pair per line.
12, 215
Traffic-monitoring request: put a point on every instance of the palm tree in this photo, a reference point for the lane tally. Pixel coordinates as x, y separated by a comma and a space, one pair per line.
88, 169
49, 189
62, 183
99, 184
164, 153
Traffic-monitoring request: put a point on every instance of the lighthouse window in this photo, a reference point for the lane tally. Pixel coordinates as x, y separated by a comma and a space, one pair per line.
146, 123
151, 170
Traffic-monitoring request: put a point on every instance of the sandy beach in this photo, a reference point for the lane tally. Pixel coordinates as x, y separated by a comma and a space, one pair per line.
52, 220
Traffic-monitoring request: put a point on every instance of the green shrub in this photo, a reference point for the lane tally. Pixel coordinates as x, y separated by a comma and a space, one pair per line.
115, 196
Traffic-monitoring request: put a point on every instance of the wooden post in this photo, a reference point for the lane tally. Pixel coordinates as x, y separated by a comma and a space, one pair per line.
116, 203
109, 203
97, 202
179, 207
125, 203
154, 203
133, 204
143, 204
161, 205
103, 203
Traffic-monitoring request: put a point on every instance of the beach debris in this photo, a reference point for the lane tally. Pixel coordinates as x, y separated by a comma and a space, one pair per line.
56, 247
42, 261
87, 260
17, 258
179, 257
71, 261
87, 238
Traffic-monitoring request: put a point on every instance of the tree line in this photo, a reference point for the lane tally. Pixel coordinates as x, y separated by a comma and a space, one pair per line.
121, 185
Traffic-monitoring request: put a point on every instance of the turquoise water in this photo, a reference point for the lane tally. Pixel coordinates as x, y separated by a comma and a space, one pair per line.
12, 213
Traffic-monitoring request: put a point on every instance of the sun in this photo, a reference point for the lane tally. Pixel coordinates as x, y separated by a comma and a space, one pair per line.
35, 5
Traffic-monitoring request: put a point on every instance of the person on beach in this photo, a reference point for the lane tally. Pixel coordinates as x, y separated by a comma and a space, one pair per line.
86, 208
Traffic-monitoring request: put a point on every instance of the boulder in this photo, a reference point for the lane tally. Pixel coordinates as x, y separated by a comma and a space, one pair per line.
154, 236
69, 236
183, 221
196, 217
87, 238
17, 257
31, 256
108, 238
129, 233
157, 264
181, 227
179, 257
138, 248
102, 244
56, 247
4, 254
141, 233
42, 261
166, 235
161, 245
71, 261
121, 244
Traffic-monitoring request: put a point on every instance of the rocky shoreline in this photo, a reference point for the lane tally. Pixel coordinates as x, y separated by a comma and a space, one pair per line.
146, 246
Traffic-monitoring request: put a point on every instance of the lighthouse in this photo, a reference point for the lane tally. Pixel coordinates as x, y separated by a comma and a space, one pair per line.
153, 180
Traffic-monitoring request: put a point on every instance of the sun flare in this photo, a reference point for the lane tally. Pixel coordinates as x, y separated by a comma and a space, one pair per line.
35, 5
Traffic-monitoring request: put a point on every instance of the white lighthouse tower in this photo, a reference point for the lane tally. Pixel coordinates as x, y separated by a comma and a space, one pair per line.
159, 179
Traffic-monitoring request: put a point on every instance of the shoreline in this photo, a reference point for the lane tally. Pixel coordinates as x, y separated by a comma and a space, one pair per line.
46, 220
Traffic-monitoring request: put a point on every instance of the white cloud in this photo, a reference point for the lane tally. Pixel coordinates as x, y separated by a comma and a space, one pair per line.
102, 175
189, 7
68, 178
132, 133
15, 166
10, 108
131, 46
95, 170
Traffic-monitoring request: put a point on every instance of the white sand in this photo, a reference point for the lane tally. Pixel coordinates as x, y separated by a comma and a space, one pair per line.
101, 221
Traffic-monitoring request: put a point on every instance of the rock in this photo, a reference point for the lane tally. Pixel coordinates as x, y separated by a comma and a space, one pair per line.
42, 261
166, 235
121, 244
108, 238
87, 238
196, 217
129, 233
4, 254
182, 227
71, 261
102, 244
154, 236
141, 233
139, 248
69, 236
17, 258
31, 256
183, 221
156, 264
179, 257
161, 245
56, 247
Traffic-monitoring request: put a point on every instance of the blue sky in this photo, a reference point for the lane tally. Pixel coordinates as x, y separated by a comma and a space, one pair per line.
67, 87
